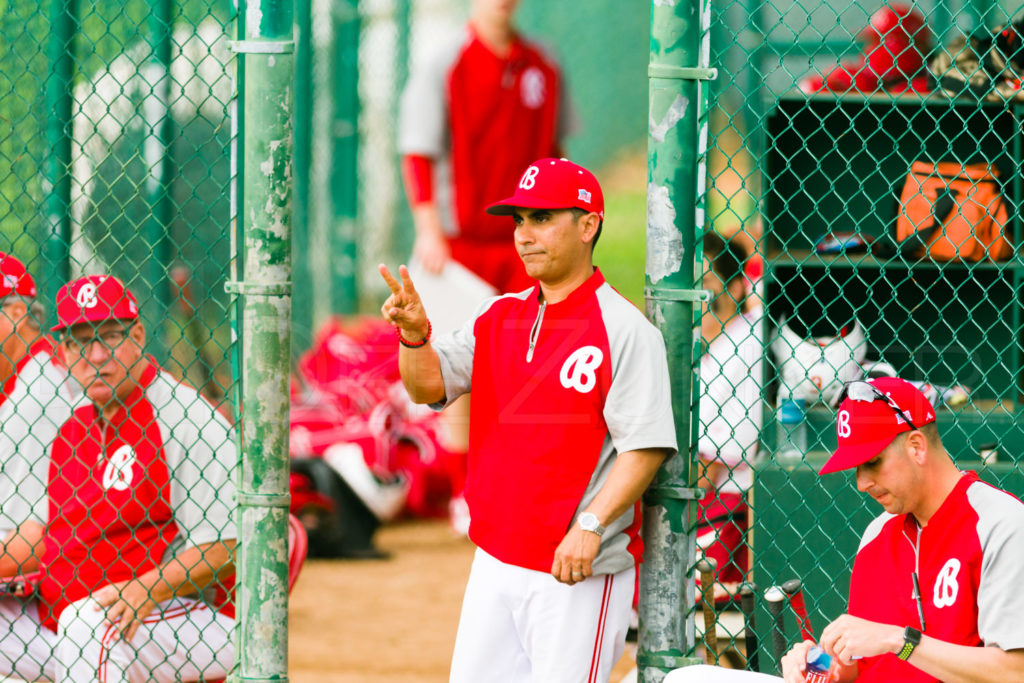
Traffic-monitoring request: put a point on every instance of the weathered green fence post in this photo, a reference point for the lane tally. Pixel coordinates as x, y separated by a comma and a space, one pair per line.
675, 184
156, 149
345, 184
269, 60
55, 267
303, 245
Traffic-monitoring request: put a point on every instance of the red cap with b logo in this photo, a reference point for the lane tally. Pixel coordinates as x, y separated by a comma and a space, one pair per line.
94, 299
16, 280
869, 420
553, 184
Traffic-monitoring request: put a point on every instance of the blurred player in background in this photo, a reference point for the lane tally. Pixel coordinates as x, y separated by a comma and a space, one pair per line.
37, 397
571, 419
477, 112
935, 593
140, 517
730, 408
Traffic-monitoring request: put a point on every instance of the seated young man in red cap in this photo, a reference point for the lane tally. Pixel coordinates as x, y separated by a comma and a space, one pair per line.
571, 418
36, 398
935, 593
140, 517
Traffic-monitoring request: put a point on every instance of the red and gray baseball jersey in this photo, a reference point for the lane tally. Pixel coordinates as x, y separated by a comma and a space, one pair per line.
128, 494
557, 391
36, 400
968, 560
484, 118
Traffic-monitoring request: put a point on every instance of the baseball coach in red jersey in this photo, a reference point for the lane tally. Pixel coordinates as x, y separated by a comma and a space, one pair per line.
136, 553
571, 418
935, 593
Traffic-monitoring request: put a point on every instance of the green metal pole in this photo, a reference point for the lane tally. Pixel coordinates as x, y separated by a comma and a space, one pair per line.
55, 268
404, 232
302, 303
268, 53
344, 245
676, 172
157, 154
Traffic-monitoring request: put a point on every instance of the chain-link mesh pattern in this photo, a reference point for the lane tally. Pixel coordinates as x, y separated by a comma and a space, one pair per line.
823, 110
117, 477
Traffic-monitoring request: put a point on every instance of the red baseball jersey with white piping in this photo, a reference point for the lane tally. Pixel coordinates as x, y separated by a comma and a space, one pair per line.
484, 118
36, 400
970, 573
557, 391
128, 494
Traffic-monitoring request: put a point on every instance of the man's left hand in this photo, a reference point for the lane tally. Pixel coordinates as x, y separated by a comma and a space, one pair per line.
575, 555
127, 601
848, 637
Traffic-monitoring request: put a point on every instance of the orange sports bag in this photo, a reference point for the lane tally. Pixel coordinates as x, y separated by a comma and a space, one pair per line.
952, 212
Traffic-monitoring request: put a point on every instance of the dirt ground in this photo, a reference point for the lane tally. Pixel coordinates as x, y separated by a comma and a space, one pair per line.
384, 621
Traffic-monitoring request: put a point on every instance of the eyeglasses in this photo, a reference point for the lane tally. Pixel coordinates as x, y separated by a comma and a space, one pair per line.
859, 390
110, 340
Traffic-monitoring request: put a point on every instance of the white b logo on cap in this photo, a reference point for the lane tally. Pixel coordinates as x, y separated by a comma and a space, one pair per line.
86, 297
529, 178
579, 371
843, 425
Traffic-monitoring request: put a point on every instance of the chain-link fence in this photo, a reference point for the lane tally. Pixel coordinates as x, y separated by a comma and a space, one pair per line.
118, 458
865, 170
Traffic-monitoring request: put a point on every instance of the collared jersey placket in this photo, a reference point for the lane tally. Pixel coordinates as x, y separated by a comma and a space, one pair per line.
916, 588
535, 332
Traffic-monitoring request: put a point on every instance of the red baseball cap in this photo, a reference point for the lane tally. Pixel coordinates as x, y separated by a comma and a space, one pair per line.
553, 184
865, 427
15, 279
94, 299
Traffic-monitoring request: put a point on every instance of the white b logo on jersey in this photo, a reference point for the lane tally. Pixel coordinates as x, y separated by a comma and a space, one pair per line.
529, 178
86, 297
532, 87
946, 586
579, 371
843, 424
118, 474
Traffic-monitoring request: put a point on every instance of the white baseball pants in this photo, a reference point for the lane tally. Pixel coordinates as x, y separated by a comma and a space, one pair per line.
713, 674
182, 640
521, 626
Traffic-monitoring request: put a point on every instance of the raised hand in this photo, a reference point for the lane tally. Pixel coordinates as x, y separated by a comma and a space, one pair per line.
404, 309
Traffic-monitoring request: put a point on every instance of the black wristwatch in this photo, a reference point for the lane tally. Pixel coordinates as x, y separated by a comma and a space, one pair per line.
911, 639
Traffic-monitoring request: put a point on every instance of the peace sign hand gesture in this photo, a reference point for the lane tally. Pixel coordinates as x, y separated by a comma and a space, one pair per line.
404, 308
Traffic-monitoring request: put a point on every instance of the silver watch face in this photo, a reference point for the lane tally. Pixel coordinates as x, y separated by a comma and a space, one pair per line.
589, 522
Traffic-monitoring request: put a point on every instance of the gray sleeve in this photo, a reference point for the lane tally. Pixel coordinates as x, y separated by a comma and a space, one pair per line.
455, 351
423, 109
202, 459
1001, 534
568, 121
638, 408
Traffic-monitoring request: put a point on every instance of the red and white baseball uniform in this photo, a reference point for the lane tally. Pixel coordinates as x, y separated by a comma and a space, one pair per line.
470, 121
730, 433
126, 495
36, 400
969, 569
557, 391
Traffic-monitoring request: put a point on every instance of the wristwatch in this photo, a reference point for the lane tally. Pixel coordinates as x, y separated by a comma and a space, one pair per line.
911, 639
589, 522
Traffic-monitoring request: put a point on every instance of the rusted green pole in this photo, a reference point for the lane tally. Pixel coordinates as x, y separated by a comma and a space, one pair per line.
676, 169
268, 54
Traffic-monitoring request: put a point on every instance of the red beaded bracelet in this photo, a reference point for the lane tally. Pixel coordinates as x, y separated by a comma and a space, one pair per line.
414, 345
